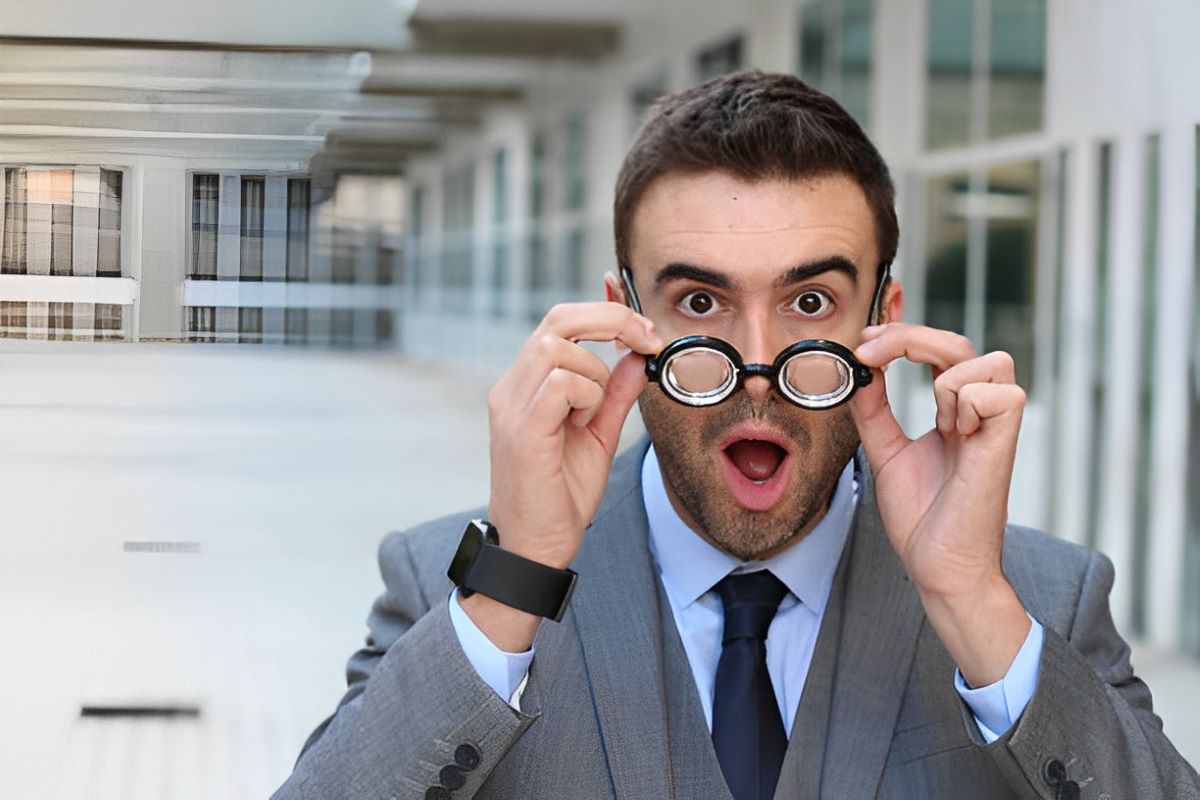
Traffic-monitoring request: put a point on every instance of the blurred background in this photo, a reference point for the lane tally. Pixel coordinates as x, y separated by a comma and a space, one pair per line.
261, 260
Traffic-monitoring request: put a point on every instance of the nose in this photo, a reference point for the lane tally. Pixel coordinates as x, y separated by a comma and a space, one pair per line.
759, 342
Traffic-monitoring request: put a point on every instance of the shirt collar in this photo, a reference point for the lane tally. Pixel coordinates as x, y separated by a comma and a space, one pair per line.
690, 566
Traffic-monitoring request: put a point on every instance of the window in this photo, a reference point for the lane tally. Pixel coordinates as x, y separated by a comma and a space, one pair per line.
1191, 548
206, 203
982, 259
253, 209
575, 161
63, 222
12, 319
201, 323
1143, 497
1100, 343
108, 321
500, 234
836, 47
719, 59
61, 321
643, 97
250, 325
295, 325
986, 71
298, 198
458, 223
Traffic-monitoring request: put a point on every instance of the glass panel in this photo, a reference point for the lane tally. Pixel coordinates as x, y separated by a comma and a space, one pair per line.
250, 325
1012, 234
948, 98
1191, 547
15, 222
537, 176
416, 222
946, 266
108, 321
500, 186
62, 221
719, 59
206, 196
576, 254
295, 325
61, 321
1018, 66
12, 319
643, 97
813, 23
253, 206
575, 161
854, 90
299, 196
108, 243
1145, 413
342, 327
458, 213
500, 276
1100, 348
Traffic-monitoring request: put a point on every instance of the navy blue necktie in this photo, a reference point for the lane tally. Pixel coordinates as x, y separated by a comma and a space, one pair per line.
747, 729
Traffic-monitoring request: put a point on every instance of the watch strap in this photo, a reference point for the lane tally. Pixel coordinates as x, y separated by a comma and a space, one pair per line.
481, 565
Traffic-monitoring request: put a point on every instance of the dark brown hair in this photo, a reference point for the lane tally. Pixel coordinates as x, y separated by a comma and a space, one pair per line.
756, 126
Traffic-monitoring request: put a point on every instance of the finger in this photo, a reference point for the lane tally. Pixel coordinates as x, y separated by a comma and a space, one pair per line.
544, 352
561, 392
994, 367
602, 322
919, 344
626, 383
980, 402
881, 435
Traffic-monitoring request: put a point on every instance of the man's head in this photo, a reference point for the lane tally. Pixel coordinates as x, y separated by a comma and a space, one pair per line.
754, 209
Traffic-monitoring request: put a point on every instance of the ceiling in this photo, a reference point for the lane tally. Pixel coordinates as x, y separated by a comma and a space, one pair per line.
353, 85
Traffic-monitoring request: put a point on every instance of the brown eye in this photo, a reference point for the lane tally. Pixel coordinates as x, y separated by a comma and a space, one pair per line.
812, 303
699, 303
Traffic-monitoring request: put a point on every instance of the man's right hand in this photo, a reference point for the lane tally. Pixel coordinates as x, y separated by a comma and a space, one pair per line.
555, 418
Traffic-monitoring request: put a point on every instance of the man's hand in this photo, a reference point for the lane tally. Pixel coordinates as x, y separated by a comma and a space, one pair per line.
943, 497
555, 418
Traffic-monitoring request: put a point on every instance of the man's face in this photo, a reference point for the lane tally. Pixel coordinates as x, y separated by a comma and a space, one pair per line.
760, 265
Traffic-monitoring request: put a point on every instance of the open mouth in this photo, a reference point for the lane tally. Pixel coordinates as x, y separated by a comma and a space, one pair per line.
757, 459
756, 469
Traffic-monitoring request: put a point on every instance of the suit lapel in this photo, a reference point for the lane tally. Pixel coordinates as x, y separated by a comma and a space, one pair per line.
615, 610
881, 616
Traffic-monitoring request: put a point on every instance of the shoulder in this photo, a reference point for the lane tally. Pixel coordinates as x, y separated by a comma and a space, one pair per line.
1050, 574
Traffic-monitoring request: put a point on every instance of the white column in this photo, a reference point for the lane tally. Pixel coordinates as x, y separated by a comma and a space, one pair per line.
1169, 453
85, 227
229, 228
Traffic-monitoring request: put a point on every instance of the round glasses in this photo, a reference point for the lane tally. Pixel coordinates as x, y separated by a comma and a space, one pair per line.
704, 371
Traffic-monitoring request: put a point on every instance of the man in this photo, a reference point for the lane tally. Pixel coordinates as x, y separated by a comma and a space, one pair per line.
763, 607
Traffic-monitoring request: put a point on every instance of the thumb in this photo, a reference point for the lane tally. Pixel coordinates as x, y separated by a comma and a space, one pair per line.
880, 433
625, 383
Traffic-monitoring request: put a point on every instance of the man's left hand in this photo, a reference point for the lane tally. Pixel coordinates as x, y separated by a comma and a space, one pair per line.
943, 497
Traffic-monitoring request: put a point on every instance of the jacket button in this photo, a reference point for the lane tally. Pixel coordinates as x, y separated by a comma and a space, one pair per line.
437, 793
1054, 772
467, 756
452, 777
1069, 790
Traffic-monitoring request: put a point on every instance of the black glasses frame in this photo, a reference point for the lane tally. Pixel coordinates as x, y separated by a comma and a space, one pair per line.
860, 375
657, 372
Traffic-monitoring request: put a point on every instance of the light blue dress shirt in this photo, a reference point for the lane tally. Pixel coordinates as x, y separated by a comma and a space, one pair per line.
689, 567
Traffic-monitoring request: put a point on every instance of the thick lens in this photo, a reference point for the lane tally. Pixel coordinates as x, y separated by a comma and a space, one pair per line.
699, 376
816, 379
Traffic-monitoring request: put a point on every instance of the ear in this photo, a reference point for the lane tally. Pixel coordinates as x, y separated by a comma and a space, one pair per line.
893, 302
614, 292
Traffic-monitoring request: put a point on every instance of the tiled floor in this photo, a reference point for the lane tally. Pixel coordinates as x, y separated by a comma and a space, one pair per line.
278, 471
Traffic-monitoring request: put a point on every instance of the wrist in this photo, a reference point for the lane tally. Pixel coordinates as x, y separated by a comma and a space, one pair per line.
982, 629
510, 629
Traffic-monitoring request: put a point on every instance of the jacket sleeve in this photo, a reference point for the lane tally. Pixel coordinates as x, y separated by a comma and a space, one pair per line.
1090, 721
416, 715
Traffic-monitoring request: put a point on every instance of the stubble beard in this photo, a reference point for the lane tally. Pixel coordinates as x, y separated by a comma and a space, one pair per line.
687, 441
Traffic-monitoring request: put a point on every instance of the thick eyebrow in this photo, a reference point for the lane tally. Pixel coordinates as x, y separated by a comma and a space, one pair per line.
804, 272
681, 271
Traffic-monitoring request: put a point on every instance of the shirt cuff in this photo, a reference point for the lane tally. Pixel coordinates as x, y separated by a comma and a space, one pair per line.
998, 705
504, 672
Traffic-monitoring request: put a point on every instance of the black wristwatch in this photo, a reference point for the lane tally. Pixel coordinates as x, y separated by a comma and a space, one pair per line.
481, 565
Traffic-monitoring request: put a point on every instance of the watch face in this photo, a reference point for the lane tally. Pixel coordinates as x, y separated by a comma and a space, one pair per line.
468, 548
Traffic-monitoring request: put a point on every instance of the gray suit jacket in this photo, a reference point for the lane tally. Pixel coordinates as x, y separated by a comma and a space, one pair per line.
611, 710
